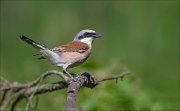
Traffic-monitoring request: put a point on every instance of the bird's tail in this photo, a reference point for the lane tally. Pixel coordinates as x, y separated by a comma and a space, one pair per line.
33, 43
46, 53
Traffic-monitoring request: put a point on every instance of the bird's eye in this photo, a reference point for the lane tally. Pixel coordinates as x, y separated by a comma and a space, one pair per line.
80, 37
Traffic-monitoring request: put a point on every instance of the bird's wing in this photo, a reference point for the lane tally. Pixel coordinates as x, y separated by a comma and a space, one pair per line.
74, 46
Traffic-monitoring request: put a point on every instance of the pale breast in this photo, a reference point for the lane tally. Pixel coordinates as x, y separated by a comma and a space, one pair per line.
75, 58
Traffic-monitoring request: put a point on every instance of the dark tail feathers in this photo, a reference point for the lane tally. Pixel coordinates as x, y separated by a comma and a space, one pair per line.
31, 42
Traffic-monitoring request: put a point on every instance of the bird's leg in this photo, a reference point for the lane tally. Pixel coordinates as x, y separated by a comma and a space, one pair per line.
75, 79
65, 66
66, 72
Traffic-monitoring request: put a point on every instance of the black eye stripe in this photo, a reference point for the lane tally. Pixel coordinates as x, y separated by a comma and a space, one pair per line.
88, 34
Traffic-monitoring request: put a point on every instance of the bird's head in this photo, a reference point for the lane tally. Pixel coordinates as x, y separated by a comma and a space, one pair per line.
87, 36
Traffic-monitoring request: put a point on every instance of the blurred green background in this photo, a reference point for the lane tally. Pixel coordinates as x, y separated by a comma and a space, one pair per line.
138, 36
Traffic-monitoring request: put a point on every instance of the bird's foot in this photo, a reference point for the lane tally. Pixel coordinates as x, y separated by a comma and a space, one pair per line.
73, 78
91, 80
77, 79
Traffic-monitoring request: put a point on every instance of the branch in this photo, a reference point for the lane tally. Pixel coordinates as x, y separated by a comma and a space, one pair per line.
44, 88
16, 87
35, 88
72, 91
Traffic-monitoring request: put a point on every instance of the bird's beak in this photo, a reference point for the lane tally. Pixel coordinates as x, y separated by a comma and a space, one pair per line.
97, 35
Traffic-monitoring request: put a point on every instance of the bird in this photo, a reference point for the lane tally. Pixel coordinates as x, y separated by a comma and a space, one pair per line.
69, 55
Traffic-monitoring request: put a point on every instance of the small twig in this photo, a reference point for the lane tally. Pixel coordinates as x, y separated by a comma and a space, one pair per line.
3, 97
3, 79
114, 77
46, 74
19, 98
9, 100
29, 106
36, 103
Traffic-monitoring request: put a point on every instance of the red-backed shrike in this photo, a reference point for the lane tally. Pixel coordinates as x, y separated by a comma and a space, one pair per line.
68, 55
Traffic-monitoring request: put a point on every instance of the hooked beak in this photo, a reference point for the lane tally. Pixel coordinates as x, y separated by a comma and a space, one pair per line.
97, 35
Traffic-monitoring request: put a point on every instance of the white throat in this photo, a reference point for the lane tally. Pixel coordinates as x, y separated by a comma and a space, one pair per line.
88, 41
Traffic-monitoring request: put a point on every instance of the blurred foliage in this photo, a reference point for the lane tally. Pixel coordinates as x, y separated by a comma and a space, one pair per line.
140, 36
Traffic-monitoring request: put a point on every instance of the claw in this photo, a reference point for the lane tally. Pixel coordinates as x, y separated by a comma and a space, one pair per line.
76, 79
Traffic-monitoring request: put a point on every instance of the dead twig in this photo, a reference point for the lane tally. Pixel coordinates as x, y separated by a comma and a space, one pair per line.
121, 76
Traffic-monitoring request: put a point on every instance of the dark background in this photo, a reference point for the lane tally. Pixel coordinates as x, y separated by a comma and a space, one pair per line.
138, 36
